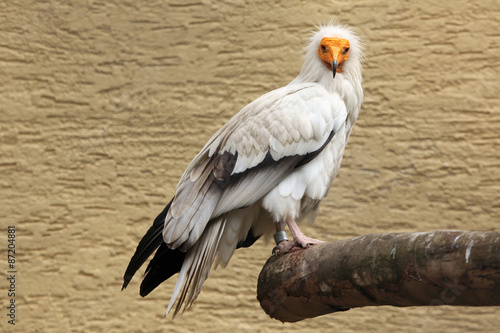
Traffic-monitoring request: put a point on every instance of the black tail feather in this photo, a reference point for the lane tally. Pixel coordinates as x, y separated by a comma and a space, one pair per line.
148, 244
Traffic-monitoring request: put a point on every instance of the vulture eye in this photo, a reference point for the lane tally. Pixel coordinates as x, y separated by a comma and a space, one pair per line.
346, 50
323, 48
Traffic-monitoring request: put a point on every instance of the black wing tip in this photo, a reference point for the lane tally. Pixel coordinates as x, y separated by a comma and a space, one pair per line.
165, 263
251, 238
126, 280
145, 292
148, 244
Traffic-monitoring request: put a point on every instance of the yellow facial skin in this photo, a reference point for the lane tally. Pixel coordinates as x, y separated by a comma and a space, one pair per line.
334, 52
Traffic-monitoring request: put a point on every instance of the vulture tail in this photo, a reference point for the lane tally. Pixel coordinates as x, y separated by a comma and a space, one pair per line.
164, 264
193, 265
196, 266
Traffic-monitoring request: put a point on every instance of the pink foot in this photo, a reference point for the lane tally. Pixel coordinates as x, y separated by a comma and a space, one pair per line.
305, 241
300, 241
285, 247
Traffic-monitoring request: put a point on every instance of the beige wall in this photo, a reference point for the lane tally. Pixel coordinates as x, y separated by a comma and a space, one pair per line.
104, 103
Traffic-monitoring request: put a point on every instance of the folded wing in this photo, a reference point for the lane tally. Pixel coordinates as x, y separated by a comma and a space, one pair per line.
250, 155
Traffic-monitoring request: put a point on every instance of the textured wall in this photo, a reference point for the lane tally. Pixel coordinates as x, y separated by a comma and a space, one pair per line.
104, 103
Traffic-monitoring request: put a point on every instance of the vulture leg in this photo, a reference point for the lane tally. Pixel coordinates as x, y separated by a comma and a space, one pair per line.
299, 238
283, 245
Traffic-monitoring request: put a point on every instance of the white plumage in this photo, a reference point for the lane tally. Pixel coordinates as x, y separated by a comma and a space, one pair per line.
269, 165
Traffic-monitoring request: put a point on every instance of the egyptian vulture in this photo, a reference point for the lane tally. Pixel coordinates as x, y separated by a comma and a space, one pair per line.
269, 166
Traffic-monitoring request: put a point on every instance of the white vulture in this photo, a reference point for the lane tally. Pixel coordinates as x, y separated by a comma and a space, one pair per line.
269, 166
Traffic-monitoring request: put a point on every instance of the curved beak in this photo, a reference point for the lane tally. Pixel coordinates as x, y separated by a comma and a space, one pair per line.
335, 64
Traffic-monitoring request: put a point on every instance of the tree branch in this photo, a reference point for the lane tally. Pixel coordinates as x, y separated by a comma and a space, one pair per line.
398, 269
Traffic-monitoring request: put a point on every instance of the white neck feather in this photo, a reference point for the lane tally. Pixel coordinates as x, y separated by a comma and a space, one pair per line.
347, 85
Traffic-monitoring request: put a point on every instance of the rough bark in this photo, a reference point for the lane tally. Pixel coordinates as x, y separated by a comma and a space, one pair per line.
398, 269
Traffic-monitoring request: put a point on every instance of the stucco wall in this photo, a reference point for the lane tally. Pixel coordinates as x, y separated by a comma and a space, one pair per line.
104, 103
